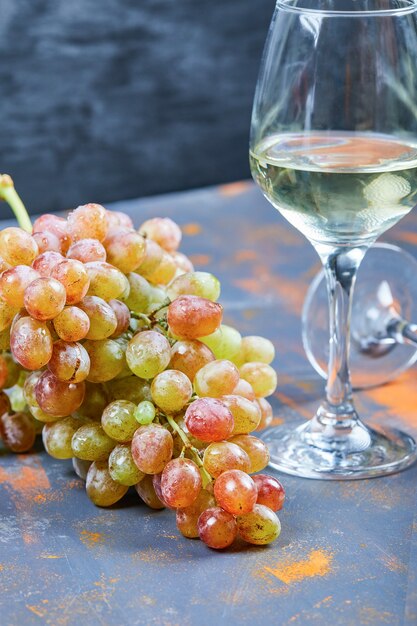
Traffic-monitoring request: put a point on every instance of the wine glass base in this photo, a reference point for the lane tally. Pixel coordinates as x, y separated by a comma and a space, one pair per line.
385, 451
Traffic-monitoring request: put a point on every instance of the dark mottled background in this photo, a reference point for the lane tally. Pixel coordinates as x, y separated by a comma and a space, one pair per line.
111, 99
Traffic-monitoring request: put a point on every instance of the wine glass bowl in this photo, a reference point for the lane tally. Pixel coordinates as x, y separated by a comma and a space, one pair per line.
334, 148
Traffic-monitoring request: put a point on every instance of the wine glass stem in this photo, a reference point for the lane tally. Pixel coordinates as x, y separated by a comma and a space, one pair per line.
340, 266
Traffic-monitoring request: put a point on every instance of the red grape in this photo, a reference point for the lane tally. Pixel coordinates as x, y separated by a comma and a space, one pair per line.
217, 528
191, 317
209, 420
57, 397
270, 491
235, 492
87, 250
152, 448
180, 483
31, 343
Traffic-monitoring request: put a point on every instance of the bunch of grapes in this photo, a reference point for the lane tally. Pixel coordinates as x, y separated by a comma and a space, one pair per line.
113, 347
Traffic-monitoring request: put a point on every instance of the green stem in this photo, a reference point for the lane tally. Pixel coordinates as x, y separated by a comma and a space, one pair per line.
9, 194
187, 443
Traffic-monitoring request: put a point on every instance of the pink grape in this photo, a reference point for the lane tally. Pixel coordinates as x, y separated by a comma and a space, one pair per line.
146, 492
209, 420
44, 298
72, 324
69, 362
191, 317
17, 431
182, 262
31, 343
270, 492
56, 225
45, 262
122, 314
180, 482
217, 528
256, 450
87, 250
189, 356
13, 283
56, 397
106, 281
47, 241
244, 389
216, 379
152, 448
127, 251
187, 517
88, 222
235, 492
117, 218
266, 413
17, 247
164, 231
224, 455
73, 276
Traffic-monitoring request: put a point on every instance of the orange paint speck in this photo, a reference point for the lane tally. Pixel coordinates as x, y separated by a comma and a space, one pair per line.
191, 229
406, 236
200, 259
245, 255
397, 399
234, 189
91, 539
27, 480
36, 610
318, 563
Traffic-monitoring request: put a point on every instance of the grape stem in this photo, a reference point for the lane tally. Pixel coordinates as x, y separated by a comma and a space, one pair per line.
187, 444
9, 194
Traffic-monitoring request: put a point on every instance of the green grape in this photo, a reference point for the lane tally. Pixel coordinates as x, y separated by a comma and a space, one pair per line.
256, 450
103, 321
152, 258
187, 517
17, 431
146, 492
118, 420
257, 349
17, 399
164, 272
91, 443
107, 360
126, 250
148, 354
12, 371
246, 414
57, 437
200, 284
130, 388
100, 486
122, 467
189, 356
106, 282
94, 403
139, 297
81, 467
145, 412
260, 526
171, 390
225, 343
72, 324
4, 335
216, 379
261, 376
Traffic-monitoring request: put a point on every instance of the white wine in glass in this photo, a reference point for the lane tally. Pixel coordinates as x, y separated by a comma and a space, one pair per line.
334, 149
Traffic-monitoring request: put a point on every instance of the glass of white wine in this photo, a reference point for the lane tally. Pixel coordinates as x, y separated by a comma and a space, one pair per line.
334, 149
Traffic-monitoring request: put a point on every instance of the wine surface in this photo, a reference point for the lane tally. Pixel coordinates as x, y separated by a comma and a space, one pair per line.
337, 187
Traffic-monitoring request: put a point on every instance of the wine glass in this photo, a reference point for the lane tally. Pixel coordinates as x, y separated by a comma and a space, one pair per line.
334, 148
383, 341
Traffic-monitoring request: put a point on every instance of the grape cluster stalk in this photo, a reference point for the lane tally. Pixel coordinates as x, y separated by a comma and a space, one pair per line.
113, 347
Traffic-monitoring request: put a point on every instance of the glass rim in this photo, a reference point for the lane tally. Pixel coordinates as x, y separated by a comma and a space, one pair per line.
289, 6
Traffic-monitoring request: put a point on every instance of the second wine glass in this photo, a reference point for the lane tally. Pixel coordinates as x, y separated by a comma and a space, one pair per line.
334, 149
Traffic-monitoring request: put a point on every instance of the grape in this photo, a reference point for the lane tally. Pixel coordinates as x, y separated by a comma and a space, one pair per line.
200, 284
94, 403
187, 517
88, 222
256, 450
31, 343
57, 437
13, 283
257, 349
91, 443
101, 488
270, 492
182, 262
191, 317
189, 356
56, 397
106, 281
103, 321
209, 420
44, 298
180, 483
118, 420
4, 403
224, 455
146, 492
126, 251
9, 371
117, 218
122, 467
261, 376
81, 467
122, 314
156, 482
266, 413
246, 414
17, 247
72, 324
45, 262
17, 431
73, 276
164, 231
87, 250
145, 412
148, 354
171, 390
235, 492
69, 362
106, 360
129, 388
47, 241
152, 448
217, 528
244, 389
4, 334
225, 343
139, 297
164, 272
152, 258
7, 313
216, 379
260, 526
56, 225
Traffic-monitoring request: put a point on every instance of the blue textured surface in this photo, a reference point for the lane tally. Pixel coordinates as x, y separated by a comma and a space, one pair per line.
348, 552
